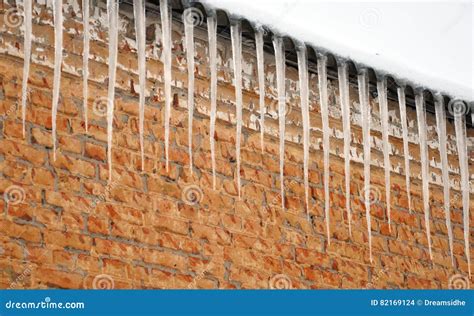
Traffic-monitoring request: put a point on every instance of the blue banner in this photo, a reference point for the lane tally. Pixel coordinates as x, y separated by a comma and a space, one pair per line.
237, 302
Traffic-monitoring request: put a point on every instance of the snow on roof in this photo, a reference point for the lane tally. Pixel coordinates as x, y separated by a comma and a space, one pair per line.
429, 43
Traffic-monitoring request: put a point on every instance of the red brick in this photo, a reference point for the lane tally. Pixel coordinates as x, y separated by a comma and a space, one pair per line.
68, 240
57, 279
94, 151
74, 224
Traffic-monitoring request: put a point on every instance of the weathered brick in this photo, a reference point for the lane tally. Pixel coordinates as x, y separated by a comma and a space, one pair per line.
74, 165
164, 259
98, 225
75, 224
17, 150
26, 232
42, 177
95, 151
68, 240
57, 279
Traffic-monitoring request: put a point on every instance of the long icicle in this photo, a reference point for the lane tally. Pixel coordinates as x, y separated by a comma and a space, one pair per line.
365, 111
323, 96
112, 16
406, 151
441, 129
304, 99
58, 59
280, 77
140, 31
261, 81
212, 37
420, 114
383, 108
343, 78
166, 38
460, 127
85, 59
189, 47
27, 18
236, 36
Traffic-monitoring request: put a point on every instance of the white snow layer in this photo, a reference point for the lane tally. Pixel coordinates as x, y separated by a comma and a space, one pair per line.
429, 43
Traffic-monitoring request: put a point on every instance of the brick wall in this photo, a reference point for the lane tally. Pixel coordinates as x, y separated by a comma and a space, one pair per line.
68, 227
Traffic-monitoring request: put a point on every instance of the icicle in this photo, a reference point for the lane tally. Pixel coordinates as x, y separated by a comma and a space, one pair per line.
406, 151
460, 127
420, 114
27, 18
112, 15
58, 59
140, 31
85, 59
236, 35
189, 48
166, 29
383, 108
304, 97
323, 95
365, 111
280, 77
212, 36
261, 81
343, 78
441, 124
